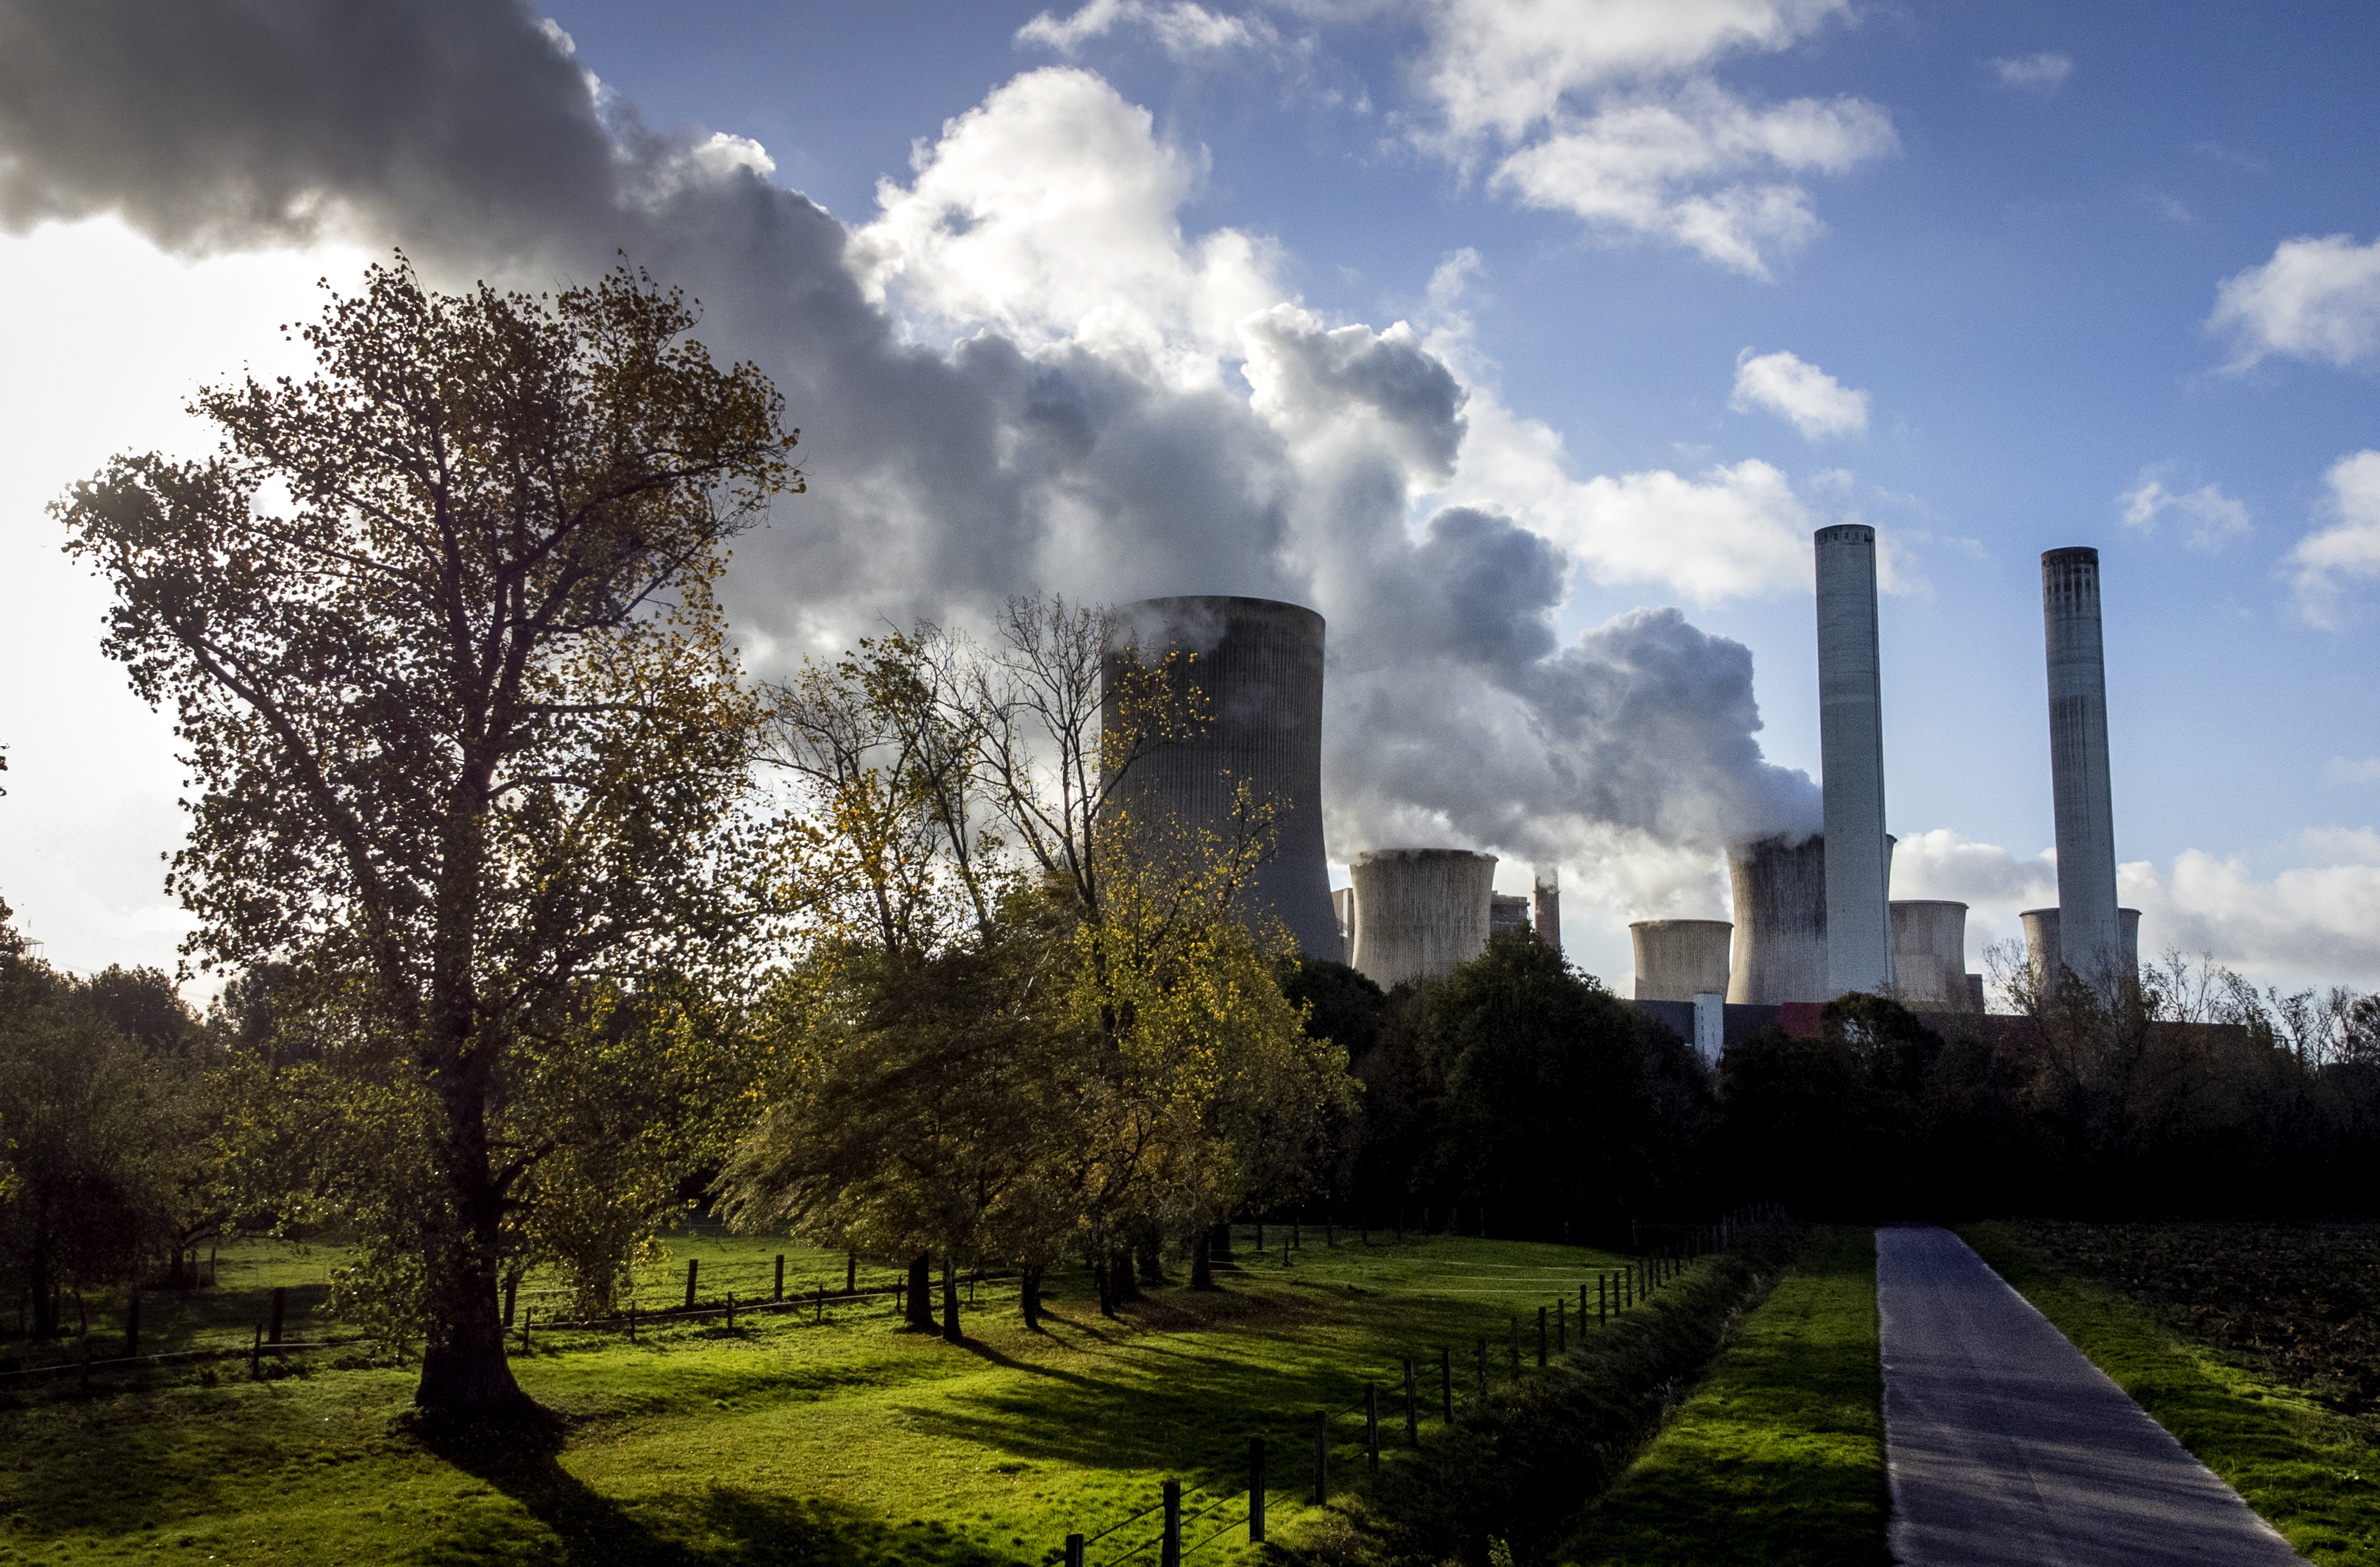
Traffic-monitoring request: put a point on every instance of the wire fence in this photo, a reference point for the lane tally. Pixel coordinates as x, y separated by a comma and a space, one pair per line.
1617, 1291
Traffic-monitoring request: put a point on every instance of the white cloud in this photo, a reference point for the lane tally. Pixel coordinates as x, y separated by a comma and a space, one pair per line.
1609, 110
2210, 518
1183, 29
2315, 300
2349, 548
2352, 770
1048, 213
1801, 394
2311, 925
2043, 72
2316, 923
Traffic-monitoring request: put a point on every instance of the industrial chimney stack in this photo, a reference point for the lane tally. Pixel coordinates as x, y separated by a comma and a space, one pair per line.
1851, 750
2090, 934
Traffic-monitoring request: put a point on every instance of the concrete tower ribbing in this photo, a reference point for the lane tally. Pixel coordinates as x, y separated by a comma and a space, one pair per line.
1259, 671
1419, 912
2090, 937
1780, 921
1851, 750
1679, 959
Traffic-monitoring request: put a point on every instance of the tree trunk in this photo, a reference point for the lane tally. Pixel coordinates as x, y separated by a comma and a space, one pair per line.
1152, 1258
1120, 1273
465, 1375
1221, 1249
951, 1334
1028, 1295
45, 1310
1202, 1273
1105, 1286
921, 1304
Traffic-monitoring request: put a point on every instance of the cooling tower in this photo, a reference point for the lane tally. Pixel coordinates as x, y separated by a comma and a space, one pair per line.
1679, 959
1780, 922
1420, 912
1257, 670
1507, 915
2040, 944
1547, 889
2090, 937
1850, 749
1930, 953
2042, 937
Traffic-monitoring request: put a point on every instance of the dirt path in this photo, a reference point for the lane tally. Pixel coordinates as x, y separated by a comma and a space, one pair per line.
2007, 1446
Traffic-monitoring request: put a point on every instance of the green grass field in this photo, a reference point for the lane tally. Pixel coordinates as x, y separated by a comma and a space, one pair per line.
783, 1441
2313, 1474
1778, 1456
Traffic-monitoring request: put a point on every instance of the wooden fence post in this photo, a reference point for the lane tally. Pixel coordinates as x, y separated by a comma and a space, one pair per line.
1321, 1457
280, 1301
256, 1355
1412, 1411
731, 1311
693, 1267
1074, 1550
1256, 1490
781, 1278
511, 1285
1168, 1549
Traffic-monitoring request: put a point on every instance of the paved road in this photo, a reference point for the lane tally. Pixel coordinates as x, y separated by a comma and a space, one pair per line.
2008, 1447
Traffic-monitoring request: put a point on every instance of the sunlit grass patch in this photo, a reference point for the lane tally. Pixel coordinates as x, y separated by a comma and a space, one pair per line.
1778, 1456
785, 1440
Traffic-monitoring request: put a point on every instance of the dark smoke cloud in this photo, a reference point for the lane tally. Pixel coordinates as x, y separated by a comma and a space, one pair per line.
941, 478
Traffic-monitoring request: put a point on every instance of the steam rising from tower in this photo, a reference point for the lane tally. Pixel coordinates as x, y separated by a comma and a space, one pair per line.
1851, 748
2089, 930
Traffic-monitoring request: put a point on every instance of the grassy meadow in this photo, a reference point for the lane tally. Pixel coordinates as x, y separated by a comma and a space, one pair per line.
1777, 1456
786, 1439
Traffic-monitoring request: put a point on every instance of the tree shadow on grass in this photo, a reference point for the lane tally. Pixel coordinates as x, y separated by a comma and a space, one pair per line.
703, 1526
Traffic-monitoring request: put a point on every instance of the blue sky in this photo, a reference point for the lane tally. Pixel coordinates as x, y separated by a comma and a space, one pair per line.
2000, 239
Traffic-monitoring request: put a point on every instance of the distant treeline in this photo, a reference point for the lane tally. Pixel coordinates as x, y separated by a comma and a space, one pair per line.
1520, 1092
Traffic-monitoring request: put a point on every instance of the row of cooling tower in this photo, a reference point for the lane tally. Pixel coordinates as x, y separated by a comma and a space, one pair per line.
1812, 918
1776, 950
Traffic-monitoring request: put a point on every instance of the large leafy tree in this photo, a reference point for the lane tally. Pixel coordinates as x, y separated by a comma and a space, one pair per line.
437, 623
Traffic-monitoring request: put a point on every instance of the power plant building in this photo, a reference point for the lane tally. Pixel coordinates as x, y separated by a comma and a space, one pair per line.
2089, 938
1420, 913
1256, 670
1508, 915
1546, 894
1851, 746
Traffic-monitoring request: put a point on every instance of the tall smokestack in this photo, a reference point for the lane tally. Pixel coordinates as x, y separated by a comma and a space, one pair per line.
1850, 751
2090, 934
